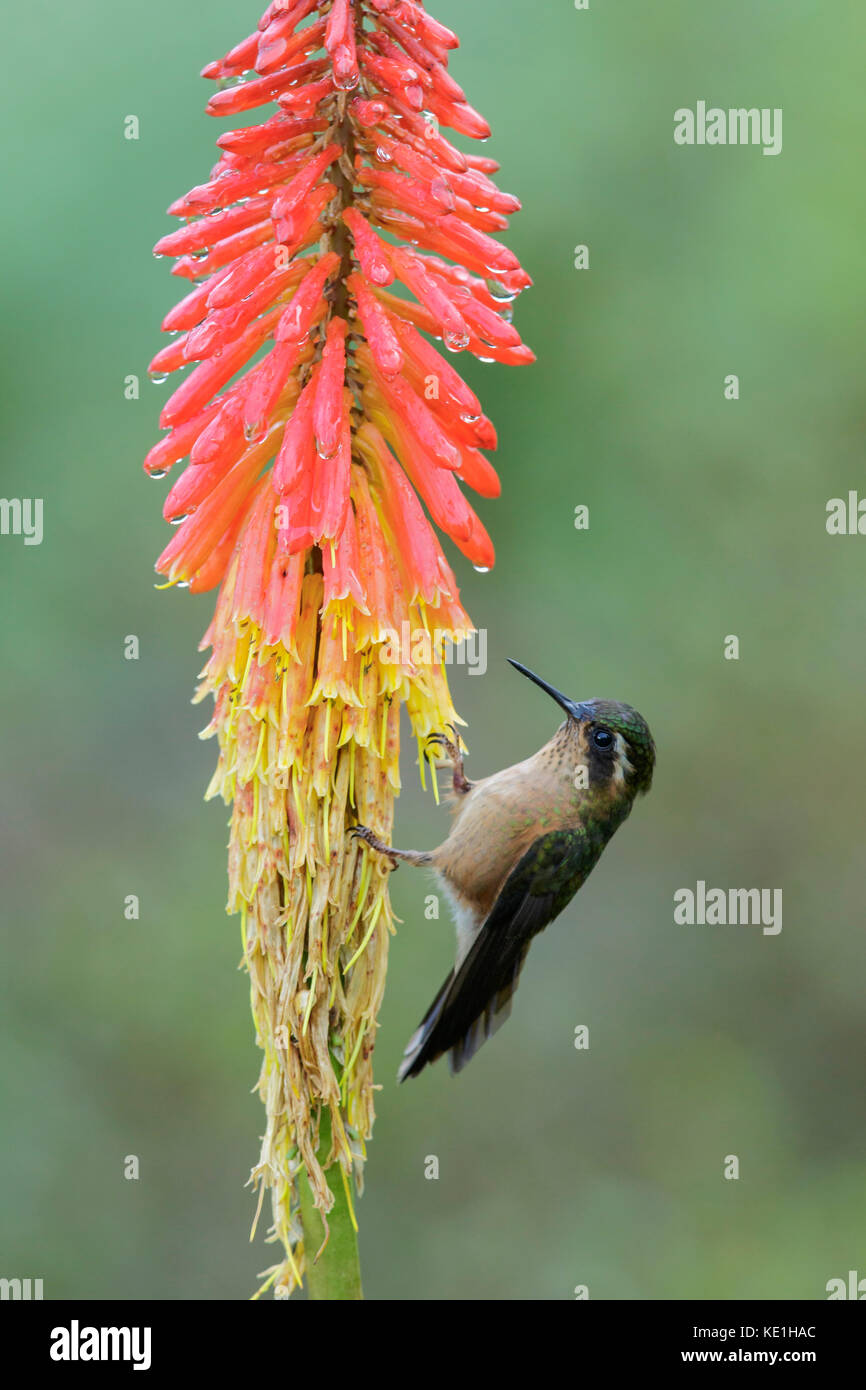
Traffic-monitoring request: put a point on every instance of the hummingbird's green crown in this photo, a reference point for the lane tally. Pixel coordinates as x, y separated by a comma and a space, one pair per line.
626, 721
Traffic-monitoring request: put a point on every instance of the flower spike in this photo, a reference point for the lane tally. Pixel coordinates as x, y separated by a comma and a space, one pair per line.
341, 254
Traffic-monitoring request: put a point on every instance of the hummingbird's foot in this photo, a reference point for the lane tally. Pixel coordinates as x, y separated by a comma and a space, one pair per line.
451, 746
409, 856
363, 832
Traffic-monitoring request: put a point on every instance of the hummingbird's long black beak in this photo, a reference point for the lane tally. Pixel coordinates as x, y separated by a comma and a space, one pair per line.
571, 707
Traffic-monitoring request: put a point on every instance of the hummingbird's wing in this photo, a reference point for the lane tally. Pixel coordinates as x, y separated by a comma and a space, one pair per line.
476, 998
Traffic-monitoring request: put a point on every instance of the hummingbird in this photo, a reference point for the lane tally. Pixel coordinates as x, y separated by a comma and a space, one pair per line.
522, 843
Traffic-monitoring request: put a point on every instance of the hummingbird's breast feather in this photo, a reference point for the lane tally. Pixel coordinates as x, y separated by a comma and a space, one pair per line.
494, 826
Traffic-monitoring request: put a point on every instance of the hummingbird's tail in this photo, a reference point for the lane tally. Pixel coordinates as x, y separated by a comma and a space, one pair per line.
417, 1053
465, 1013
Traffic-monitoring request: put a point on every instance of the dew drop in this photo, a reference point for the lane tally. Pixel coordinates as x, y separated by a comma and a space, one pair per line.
182, 584
456, 342
481, 569
158, 378
159, 473
470, 419
178, 520
486, 359
498, 291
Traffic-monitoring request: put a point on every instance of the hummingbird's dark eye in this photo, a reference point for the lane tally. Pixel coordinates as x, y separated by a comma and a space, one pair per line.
602, 738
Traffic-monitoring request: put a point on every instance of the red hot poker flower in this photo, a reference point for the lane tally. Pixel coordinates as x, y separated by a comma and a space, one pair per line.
332, 242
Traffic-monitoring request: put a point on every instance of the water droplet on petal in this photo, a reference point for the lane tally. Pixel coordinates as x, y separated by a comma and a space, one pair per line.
158, 378
481, 569
470, 419
498, 291
178, 520
182, 584
160, 473
456, 342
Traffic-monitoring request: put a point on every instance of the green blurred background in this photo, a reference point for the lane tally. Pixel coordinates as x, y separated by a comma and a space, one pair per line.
557, 1167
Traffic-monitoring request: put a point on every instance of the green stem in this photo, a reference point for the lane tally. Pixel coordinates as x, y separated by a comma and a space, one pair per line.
336, 1276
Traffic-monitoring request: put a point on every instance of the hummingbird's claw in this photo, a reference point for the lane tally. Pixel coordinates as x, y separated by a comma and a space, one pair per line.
372, 840
451, 746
